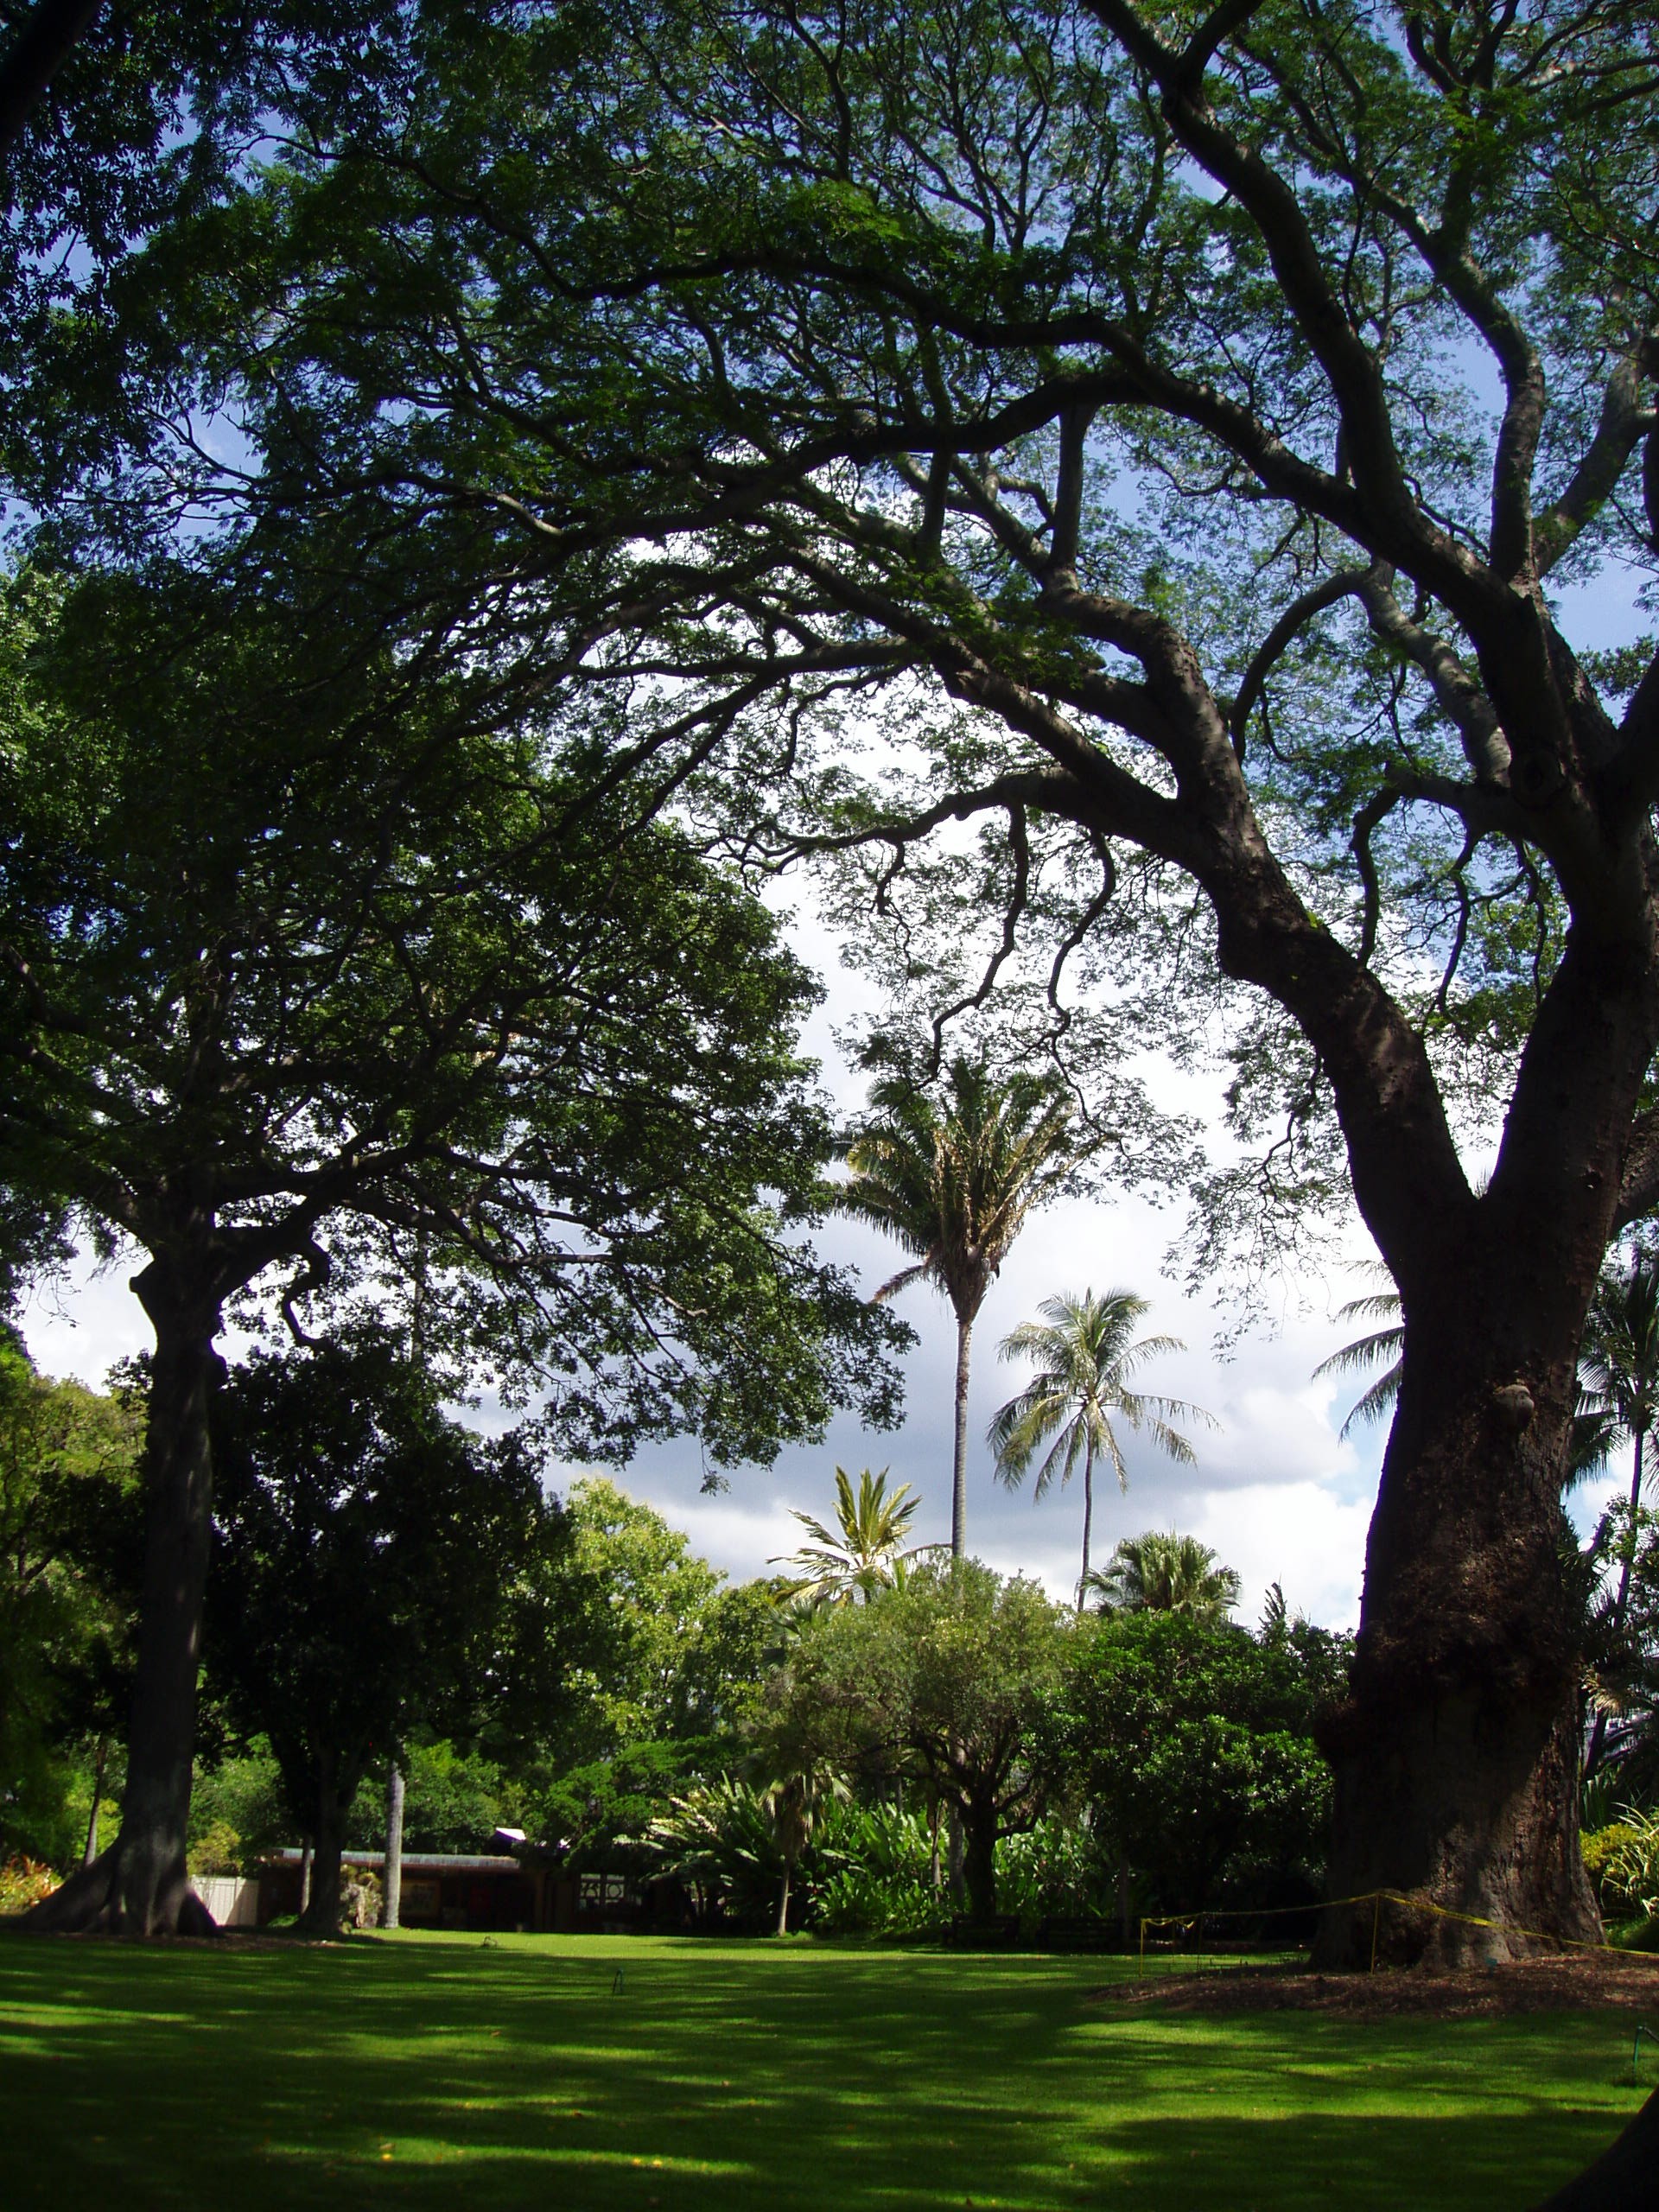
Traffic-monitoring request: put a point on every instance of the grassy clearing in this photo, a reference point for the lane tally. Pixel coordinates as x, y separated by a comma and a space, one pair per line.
431, 2073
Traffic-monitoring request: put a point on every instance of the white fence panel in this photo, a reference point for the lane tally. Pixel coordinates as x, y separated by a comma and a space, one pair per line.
232, 1900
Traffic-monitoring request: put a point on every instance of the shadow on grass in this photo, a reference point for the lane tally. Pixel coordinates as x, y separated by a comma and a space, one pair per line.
433, 2075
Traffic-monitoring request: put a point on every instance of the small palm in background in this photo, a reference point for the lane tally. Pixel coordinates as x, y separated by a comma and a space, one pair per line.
863, 1554
1618, 1396
1084, 1351
1165, 1574
954, 1184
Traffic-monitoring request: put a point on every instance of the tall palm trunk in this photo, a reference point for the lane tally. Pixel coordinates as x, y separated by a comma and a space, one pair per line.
91, 1853
783, 1904
959, 1474
1088, 1515
392, 1912
1621, 1603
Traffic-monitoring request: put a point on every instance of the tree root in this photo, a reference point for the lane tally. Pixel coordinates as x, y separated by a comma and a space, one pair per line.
119, 1895
1622, 2178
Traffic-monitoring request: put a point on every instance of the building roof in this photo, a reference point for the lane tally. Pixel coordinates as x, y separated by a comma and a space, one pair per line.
415, 1862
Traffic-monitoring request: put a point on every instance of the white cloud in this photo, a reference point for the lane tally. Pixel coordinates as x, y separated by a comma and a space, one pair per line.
1298, 1534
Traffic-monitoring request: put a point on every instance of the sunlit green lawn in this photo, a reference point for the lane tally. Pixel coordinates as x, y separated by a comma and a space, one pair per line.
429, 2072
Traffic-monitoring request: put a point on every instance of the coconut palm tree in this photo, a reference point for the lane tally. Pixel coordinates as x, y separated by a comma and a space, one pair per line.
1084, 1353
1618, 1394
1159, 1573
953, 1183
864, 1553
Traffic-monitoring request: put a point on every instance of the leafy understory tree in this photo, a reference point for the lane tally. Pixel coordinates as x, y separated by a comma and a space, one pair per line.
946, 1678
954, 1182
368, 1555
1085, 1354
70, 1514
797, 1781
864, 1553
309, 958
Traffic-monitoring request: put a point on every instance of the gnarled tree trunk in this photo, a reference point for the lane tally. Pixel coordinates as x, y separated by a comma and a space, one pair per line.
139, 1884
1456, 1758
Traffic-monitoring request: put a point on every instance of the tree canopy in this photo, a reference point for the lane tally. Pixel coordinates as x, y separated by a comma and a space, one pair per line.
310, 962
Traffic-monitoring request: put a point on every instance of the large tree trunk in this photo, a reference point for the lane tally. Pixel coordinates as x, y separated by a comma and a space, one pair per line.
979, 1861
320, 1915
1450, 1780
138, 1885
959, 1464
1456, 1758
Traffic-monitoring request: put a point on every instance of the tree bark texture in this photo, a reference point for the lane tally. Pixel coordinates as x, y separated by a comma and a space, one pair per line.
139, 1884
319, 1914
1456, 1758
979, 1862
782, 1928
393, 1905
959, 1464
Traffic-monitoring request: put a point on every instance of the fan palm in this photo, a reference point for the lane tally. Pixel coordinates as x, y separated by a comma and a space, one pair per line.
953, 1184
863, 1554
1159, 1573
1084, 1353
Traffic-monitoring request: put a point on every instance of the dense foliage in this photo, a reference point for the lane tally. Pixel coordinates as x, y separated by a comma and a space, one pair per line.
70, 1534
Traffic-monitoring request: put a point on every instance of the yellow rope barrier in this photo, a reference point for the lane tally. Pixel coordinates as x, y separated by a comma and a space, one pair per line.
1376, 1899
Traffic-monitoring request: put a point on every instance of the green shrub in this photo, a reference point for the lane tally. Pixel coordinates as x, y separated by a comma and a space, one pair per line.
1052, 1871
218, 1850
873, 1873
1628, 1863
864, 1901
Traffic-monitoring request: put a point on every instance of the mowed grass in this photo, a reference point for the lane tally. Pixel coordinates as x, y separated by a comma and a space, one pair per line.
435, 2073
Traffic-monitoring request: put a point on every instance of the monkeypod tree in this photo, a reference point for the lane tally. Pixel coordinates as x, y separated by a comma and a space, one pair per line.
305, 959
